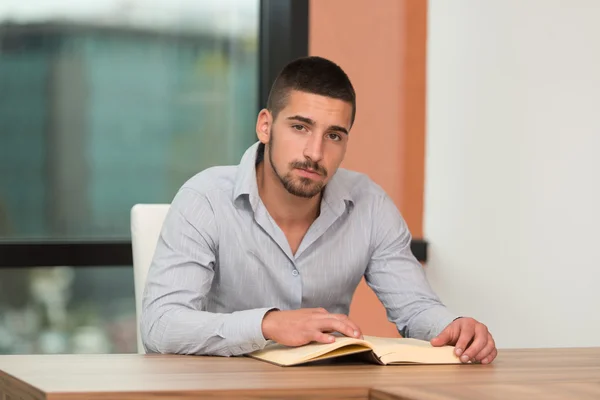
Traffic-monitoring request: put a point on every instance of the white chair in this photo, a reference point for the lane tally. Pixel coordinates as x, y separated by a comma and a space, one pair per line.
146, 224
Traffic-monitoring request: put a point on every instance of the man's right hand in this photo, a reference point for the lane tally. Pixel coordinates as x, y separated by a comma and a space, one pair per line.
299, 327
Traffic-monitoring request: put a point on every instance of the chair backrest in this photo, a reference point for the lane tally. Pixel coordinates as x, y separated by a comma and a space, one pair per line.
146, 224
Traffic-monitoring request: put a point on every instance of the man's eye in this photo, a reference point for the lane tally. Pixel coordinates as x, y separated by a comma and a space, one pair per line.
298, 127
335, 136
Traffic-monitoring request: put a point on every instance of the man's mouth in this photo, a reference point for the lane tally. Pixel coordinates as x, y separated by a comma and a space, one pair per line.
308, 172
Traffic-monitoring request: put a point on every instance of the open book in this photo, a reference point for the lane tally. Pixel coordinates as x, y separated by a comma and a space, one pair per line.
377, 349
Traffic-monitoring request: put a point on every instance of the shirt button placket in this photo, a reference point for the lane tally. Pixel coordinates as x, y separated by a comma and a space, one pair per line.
296, 286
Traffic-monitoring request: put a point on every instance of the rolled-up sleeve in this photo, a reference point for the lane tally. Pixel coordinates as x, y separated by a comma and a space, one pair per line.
398, 279
173, 318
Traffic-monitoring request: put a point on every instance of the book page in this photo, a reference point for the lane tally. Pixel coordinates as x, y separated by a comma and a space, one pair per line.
421, 355
383, 345
404, 350
284, 355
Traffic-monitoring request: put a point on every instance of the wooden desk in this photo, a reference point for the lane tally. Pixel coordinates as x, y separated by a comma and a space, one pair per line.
137, 377
493, 391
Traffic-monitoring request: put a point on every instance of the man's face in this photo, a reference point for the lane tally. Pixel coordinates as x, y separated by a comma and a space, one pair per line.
307, 141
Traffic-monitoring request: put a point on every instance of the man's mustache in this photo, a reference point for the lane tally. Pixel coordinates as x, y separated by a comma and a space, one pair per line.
313, 166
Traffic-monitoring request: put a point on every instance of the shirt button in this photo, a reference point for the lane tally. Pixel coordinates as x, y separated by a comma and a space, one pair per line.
255, 346
295, 272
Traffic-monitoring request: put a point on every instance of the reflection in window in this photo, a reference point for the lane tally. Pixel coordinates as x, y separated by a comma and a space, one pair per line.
110, 103
67, 310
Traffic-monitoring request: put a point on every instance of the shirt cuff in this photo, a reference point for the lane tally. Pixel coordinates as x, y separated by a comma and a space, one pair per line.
432, 322
243, 330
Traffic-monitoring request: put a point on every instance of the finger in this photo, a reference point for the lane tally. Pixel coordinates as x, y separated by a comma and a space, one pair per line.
319, 310
491, 357
464, 338
479, 342
445, 337
344, 318
334, 324
487, 350
321, 337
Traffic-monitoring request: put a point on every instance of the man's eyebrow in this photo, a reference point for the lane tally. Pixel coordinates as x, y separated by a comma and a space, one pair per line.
302, 119
335, 128
308, 121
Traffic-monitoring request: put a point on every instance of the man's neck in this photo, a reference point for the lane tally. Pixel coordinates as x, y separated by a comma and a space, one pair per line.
287, 210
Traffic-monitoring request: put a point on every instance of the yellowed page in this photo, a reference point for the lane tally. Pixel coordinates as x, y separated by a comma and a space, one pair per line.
283, 355
404, 350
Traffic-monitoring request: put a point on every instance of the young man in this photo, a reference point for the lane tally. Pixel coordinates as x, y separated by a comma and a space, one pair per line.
274, 248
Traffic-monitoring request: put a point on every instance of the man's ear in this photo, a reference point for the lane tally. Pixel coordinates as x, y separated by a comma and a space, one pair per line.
263, 125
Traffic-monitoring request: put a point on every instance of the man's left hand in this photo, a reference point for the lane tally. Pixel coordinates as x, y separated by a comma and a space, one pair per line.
471, 339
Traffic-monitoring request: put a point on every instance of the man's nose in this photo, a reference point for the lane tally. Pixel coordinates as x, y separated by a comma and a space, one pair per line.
314, 148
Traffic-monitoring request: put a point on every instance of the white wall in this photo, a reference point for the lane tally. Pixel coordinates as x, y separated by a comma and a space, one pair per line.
512, 192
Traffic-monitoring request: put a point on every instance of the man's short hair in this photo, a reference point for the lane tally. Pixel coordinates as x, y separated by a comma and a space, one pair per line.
314, 75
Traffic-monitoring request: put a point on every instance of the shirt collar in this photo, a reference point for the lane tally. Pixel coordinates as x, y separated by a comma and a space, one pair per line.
245, 180
335, 195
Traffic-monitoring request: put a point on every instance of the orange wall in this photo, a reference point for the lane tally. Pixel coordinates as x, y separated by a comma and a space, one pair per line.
382, 49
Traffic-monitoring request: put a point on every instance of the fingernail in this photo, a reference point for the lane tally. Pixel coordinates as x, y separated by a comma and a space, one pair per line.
484, 361
458, 351
356, 333
465, 359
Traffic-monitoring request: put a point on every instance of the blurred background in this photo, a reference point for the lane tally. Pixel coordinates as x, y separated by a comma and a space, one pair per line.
478, 118
103, 105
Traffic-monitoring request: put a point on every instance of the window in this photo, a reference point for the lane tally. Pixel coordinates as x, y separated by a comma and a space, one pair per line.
104, 105
67, 310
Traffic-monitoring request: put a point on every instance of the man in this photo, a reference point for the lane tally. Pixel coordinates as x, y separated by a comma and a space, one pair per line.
274, 248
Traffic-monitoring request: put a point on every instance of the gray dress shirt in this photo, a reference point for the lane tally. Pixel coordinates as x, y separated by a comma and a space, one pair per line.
222, 262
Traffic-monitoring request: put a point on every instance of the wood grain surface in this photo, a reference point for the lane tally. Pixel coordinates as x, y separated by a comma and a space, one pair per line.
134, 376
493, 391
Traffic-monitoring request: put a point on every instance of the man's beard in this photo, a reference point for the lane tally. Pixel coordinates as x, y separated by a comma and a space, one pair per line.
302, 186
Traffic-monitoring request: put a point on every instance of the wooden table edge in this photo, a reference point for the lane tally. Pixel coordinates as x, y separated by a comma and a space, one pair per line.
247, 394
19, 389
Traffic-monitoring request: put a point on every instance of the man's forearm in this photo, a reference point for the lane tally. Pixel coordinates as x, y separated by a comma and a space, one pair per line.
180, 330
